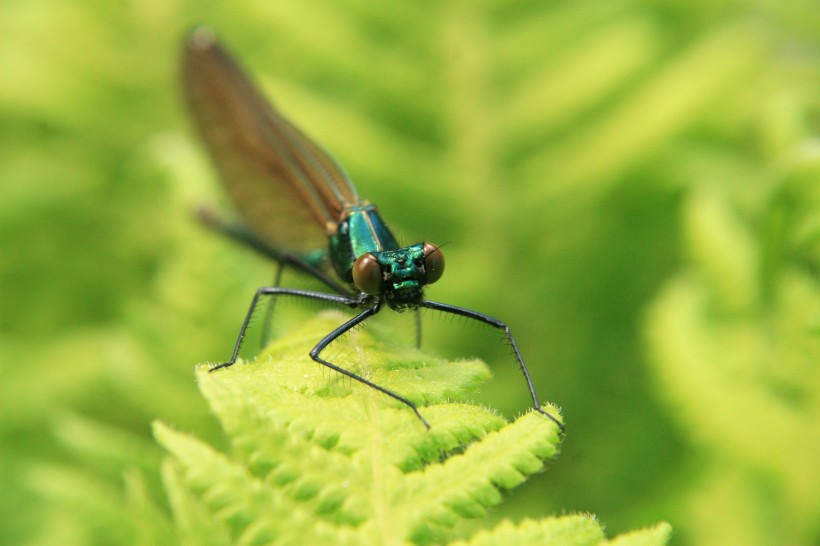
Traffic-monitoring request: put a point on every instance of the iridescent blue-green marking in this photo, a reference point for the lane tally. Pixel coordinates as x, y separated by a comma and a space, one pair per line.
300, 209
360, 230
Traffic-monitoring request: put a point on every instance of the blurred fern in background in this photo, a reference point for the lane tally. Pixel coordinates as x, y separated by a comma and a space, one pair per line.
631, 185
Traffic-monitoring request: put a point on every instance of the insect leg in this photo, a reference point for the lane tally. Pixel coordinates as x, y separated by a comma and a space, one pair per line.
332, 336
268, 321
279, 291
238, 232
417, 313
495, 323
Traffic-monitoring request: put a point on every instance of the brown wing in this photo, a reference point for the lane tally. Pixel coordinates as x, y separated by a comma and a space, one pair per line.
289, 190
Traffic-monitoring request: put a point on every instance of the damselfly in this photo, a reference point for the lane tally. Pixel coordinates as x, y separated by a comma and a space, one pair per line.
295, 200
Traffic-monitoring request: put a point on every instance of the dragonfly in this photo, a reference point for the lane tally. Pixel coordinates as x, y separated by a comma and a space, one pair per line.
300, 209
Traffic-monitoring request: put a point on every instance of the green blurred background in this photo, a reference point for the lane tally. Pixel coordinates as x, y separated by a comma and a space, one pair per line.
634, 185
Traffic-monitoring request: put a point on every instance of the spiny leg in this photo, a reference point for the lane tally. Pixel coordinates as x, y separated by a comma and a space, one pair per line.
279, 291
495, 323
332, 336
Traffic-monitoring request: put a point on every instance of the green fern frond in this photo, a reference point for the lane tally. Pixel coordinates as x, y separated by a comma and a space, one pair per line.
318, 459
577, 530
735, 348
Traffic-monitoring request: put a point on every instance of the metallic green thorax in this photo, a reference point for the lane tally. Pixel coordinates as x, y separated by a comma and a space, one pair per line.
362, 231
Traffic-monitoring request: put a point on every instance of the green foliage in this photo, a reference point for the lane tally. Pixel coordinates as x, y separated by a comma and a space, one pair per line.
316, 460
735, 347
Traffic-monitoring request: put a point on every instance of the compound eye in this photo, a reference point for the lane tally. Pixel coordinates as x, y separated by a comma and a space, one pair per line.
367, 274
434, 262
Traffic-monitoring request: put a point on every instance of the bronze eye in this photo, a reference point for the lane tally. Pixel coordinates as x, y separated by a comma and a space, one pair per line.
367, 274
434, 262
